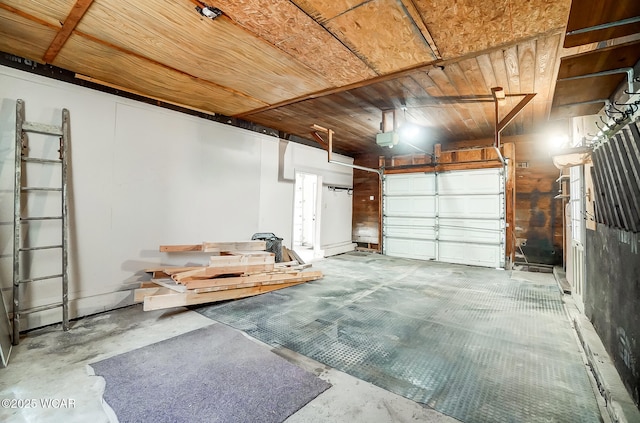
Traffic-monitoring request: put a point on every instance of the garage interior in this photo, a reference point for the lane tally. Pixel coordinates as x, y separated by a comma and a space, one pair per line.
464, 177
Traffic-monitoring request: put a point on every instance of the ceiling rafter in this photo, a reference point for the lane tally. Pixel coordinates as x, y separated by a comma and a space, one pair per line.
75, 15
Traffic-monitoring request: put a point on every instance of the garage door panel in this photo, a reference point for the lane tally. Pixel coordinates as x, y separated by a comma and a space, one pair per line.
469, 182
411, 248
408, 232
410, 206
473, 254
410, 184
416, 222
478, 206
470, 230
454, 217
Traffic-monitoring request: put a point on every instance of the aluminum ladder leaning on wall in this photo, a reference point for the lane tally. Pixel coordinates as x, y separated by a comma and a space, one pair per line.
22, 218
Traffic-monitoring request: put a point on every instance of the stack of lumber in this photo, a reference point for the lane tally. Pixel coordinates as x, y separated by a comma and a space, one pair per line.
235, 270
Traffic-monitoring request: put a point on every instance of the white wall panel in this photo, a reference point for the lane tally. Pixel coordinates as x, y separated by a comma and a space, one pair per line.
141, 176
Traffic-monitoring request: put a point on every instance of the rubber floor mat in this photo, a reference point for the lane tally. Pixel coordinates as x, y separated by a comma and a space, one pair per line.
480, 345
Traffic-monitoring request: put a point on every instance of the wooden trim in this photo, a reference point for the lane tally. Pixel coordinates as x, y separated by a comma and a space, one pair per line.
490, 164
77, 12
510, 201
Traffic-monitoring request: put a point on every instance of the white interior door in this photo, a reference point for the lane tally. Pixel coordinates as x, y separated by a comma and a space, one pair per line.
454, 217
305, 210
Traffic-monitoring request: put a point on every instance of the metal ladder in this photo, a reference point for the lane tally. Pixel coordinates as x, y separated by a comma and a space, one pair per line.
22, 195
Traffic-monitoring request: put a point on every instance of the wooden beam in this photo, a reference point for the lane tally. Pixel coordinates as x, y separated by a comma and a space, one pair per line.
77, 12
514, 112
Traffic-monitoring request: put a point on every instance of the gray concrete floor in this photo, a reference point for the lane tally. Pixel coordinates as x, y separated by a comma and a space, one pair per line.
51, 364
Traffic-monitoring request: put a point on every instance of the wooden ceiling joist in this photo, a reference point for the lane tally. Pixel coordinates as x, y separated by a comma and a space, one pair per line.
77, 12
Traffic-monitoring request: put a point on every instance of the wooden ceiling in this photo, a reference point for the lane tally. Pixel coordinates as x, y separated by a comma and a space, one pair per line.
290, 64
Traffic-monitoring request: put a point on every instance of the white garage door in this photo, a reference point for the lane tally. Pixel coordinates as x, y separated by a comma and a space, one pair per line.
454, 217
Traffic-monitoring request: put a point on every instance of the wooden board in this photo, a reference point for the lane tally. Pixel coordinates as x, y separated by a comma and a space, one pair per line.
232, 281
273, 279
156, 302
588, 13
211, 272
243, 246
239, 260
608, 58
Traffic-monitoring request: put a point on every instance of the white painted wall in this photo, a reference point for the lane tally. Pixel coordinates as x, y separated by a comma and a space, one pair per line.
141, 176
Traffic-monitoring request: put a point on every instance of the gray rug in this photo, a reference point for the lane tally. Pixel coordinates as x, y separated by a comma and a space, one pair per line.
213, 374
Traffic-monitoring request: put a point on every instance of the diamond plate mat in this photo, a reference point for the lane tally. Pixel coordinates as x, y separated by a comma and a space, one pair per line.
480, 345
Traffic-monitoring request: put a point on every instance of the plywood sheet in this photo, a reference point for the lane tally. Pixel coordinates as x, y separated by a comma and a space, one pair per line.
88, 57
467, 26
323, 10
174, 34
383, 35
588, 13
290, 29
24, 37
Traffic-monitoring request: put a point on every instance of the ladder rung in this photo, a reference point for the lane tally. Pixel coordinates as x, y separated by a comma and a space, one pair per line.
41, 278
44, 247
40, 128
41, 218
40, 308
40, 189
38, 160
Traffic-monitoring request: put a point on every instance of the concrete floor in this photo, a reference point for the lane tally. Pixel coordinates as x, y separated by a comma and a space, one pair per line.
50, 363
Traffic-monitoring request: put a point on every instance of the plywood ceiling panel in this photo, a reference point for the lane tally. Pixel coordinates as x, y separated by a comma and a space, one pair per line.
324, 10
588, 13
288, 28
108, 64
25, 37
383, 35
172, 33
467, 26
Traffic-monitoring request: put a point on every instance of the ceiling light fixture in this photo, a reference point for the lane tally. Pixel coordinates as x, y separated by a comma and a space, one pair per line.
208, 11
